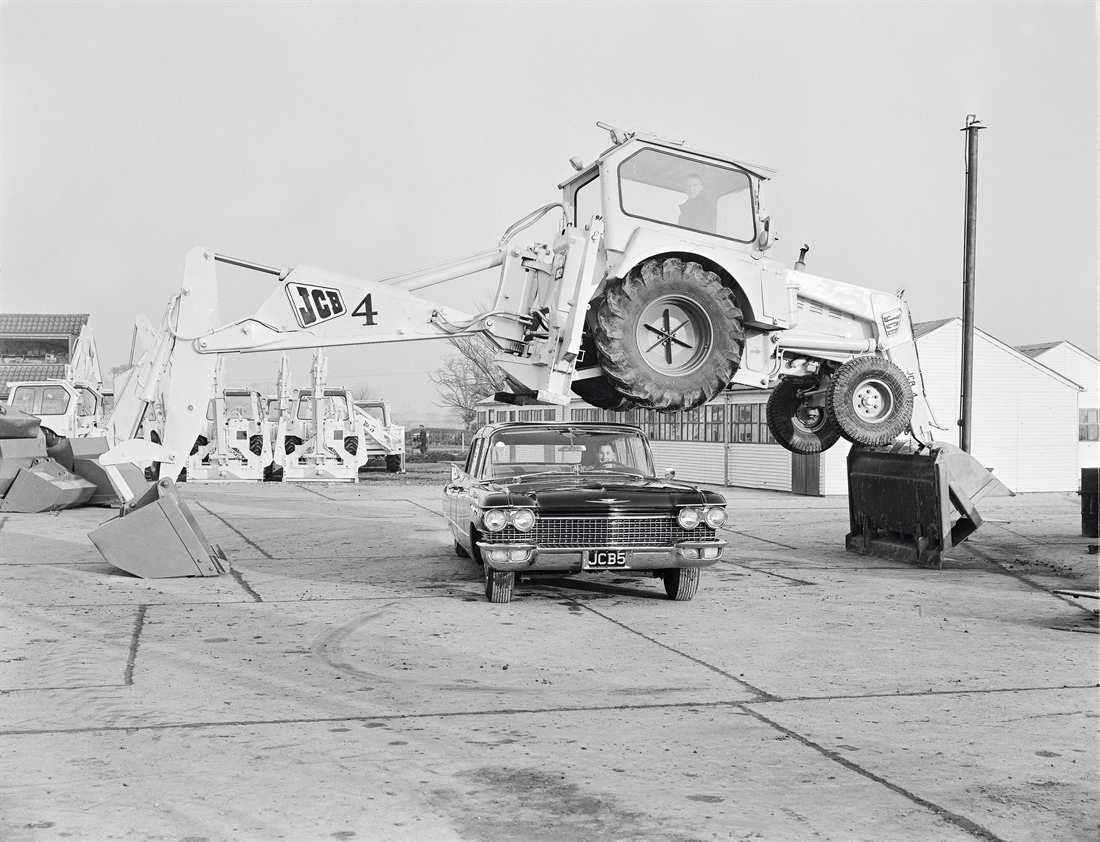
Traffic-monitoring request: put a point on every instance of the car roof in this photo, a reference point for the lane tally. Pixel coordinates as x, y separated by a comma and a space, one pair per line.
488, 429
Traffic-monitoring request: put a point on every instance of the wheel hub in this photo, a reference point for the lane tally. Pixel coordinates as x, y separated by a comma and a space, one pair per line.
674, 335
873, 401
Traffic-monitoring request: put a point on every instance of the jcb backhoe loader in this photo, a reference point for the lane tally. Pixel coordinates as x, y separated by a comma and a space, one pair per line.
657, 292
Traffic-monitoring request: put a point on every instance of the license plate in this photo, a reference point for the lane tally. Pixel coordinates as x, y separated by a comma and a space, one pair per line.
602, 559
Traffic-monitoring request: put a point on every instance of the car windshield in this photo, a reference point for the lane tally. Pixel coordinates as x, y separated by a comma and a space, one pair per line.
516, 452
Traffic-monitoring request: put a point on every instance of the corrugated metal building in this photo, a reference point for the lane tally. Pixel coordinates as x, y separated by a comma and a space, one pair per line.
1025, 424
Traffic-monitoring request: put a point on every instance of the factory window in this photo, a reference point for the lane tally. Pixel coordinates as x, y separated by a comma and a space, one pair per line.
1088, 428
749, 424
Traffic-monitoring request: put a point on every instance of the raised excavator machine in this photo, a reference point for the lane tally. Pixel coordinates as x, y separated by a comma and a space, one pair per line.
321, 438
657, 292
234, 444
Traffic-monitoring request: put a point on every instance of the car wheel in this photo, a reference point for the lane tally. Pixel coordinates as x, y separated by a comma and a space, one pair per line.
499, 584
669, 335
795, 424
681, 583
871, 400
460, 550
475, 553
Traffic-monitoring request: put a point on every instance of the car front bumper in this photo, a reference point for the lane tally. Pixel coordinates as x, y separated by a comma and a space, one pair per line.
529, 557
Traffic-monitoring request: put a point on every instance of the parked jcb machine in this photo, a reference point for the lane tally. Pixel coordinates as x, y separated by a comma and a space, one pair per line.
657, 291
234, 443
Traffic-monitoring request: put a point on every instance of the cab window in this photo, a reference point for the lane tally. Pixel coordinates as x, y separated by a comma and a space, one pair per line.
87, 405
23, 399
586, 202
687, 193
55, 400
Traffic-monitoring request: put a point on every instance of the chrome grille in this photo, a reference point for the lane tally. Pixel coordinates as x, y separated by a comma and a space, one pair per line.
655, 531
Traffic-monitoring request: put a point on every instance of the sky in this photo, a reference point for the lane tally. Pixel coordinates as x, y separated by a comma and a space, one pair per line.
375, 138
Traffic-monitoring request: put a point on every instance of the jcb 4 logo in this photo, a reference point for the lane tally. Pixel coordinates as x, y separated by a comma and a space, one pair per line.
313, 305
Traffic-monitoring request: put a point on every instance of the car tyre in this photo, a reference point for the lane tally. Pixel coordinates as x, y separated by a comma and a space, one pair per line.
795, 424
499, 585
669, 335
871, 400
460, 550
681, 583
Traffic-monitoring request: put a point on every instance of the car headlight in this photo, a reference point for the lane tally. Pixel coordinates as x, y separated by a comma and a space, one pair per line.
495, 519
715, 517
689, 518
523, 519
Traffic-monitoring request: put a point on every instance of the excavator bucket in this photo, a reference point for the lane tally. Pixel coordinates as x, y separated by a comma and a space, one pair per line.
155, 536
45, 487
115, 484
914, 506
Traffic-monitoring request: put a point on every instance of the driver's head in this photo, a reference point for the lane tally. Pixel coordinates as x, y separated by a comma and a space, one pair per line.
605, 454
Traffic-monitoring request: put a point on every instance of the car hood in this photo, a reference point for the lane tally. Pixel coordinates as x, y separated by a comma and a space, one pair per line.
598, 494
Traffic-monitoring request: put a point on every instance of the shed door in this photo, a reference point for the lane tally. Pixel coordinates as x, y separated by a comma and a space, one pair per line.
806, 474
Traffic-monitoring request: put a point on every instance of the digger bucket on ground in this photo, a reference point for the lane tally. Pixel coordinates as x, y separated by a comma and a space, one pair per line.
155, 536
115, 484
45, 487
16, 454
913, 506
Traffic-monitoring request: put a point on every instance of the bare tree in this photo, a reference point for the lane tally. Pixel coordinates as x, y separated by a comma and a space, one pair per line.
362, 392
468, 376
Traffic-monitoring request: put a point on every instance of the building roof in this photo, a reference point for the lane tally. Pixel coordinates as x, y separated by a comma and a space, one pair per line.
1034, 350
42, 324
29, 371
924, 328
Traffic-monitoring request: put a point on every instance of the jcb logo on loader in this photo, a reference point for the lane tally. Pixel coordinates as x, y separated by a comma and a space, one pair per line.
313, 305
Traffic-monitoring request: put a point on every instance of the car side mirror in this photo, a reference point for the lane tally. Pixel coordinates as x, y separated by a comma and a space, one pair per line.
455, 473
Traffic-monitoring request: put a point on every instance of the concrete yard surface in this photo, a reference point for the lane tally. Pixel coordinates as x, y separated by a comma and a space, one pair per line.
347, 680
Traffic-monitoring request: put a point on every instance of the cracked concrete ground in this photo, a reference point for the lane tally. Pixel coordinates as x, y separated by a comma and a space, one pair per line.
347, 681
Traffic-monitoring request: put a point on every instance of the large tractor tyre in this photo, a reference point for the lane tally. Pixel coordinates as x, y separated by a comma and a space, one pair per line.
393, 463
52, 438
200, 441
152, 473
871, 400
600, 392
795, 424
499, 584
669, 335
256, 445
681, 583
290, 443
351, 444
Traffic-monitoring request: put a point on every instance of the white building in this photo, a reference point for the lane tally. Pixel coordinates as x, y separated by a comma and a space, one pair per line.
1084, 370
1024, 426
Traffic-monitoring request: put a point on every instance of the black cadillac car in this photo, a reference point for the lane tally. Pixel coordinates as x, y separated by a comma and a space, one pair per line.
578, 498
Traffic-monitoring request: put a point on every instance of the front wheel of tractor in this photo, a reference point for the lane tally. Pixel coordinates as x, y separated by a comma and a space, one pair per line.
796, 423
871, 400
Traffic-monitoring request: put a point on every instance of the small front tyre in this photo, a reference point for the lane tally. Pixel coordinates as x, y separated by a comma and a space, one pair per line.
460, 550
798, 425
681, 583
871, 400
499, 584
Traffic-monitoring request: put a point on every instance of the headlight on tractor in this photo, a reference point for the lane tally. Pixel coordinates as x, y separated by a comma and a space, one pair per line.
523, 519
715, 517
495, 519
689, 518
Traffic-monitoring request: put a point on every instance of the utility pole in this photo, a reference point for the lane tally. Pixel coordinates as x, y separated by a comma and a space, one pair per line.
973, 126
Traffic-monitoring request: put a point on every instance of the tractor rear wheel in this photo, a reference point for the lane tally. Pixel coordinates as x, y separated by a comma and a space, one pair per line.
393, 463
256, 445
290, 443
669, 335
796, 424
871, 400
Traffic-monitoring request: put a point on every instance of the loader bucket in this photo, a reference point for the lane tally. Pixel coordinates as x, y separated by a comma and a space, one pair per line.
115, 484
16, 454
45, 487
914, 506
155, 536
17, 424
